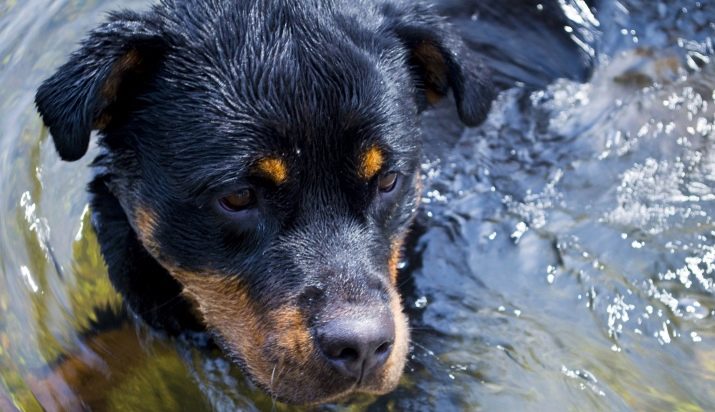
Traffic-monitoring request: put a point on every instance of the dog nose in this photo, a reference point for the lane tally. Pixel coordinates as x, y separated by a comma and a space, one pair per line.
356, 347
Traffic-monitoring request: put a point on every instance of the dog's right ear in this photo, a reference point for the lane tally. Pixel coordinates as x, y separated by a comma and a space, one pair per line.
100, 78
439, 60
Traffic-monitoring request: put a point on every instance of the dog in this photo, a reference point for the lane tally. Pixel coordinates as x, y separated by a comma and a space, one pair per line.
260, 159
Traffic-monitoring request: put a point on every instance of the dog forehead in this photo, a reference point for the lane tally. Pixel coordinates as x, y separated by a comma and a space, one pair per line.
284, 84
261, 55
281, 101
247, 83
228, 22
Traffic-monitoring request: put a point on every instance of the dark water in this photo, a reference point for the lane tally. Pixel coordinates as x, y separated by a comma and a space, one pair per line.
564, 258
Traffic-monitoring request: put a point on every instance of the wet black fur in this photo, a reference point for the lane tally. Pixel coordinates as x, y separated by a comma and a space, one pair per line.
221, 83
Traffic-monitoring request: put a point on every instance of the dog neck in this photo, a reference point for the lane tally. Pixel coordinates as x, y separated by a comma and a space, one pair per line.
147, 288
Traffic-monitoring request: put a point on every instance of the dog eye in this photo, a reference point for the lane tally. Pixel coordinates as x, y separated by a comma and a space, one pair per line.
235, 202
387, 182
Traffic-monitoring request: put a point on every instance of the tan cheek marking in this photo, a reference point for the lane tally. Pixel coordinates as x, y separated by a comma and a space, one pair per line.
371, 162
145, 224
274, 169
276, 346
295, 337
397, 243
227, 308
261, 338
395, 255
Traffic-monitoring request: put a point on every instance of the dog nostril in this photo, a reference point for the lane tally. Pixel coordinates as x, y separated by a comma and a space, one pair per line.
384, 348
357, 347
348, 354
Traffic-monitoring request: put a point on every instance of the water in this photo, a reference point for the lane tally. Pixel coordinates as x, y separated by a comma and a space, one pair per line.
564, 257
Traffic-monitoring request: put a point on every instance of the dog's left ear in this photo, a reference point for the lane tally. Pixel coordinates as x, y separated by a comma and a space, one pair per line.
92, 89
440, 61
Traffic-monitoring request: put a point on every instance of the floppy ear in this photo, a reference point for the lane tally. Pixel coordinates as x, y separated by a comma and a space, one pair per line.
441, 61
97, 82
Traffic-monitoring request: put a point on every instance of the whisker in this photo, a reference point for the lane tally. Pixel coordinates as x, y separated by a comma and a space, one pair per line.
277, 377
163, 304
404, 282
273, 393
426, 350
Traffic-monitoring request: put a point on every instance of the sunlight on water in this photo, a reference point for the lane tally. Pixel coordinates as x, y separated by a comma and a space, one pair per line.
606, 190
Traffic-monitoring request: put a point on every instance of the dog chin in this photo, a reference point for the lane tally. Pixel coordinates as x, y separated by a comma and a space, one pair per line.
348, 395
342, 393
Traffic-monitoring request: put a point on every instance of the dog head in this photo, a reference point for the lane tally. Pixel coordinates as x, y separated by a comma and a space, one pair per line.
266, 155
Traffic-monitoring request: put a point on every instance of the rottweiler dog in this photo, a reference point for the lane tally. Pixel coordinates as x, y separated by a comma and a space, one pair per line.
260, 159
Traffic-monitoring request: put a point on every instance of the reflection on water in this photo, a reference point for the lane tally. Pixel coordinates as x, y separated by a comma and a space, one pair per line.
565, 254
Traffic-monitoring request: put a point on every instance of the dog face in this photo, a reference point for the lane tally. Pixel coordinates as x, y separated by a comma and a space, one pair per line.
266, 155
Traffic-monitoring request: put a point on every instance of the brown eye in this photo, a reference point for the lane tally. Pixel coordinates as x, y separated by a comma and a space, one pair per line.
387, 182
235, 202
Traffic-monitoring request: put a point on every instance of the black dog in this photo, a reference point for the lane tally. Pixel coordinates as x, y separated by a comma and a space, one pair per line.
261, 159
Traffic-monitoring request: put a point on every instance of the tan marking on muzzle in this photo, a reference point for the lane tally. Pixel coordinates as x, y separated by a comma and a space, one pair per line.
395, 256
267, 341
226, 307
399, 240
276, 346
296, 338
395, 364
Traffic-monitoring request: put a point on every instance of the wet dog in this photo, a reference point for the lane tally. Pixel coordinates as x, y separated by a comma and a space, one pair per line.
260, 159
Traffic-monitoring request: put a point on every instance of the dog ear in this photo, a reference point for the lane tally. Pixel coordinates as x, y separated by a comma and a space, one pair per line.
440, 61
100, 78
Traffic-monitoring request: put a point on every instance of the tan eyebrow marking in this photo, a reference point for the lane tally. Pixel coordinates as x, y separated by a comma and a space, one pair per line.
371, 162
274, 169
